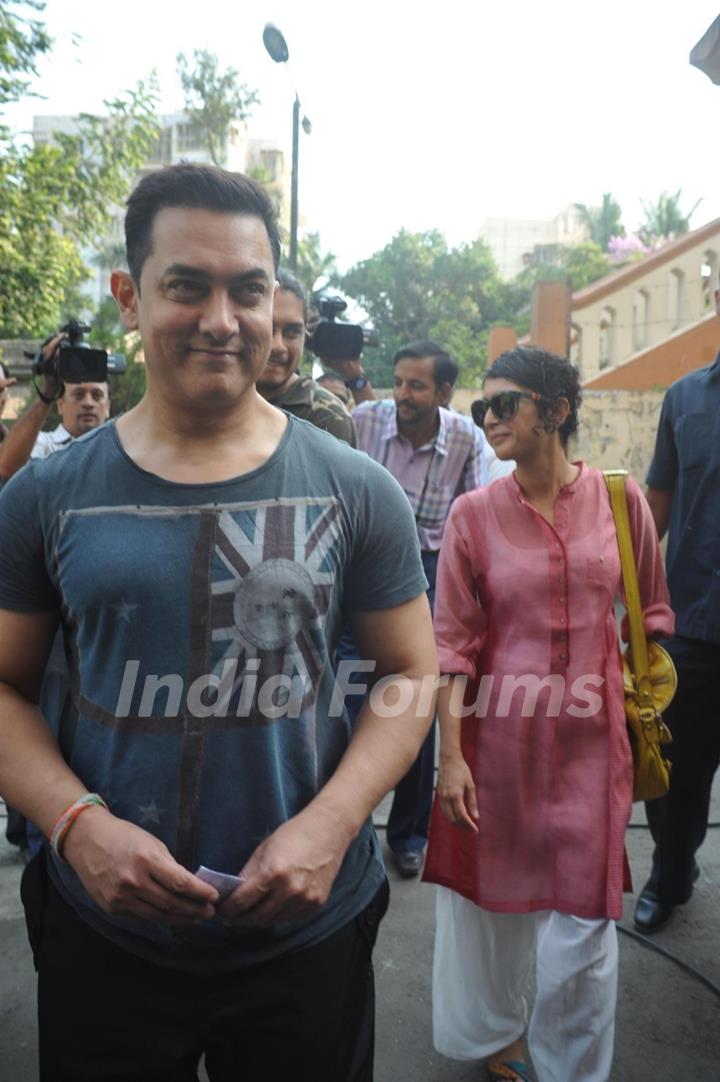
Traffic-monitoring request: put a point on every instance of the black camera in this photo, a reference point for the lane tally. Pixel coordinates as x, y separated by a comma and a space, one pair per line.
337, 341
74, 361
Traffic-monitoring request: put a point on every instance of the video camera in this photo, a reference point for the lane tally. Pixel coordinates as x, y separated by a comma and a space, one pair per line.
338, 341
74, 361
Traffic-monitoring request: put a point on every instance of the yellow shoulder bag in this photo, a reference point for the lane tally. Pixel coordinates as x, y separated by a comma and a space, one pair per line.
648, 670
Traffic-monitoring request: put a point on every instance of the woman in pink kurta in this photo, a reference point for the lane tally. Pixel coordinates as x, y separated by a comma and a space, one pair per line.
535, 782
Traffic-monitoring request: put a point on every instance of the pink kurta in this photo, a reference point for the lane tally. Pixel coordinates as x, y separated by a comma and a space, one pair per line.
522, 601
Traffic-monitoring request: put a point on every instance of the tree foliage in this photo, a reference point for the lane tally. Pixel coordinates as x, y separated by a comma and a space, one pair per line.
313, 262
58, 197
418, 287
22, 40
581, 264
213, 99
665, 219
602, 222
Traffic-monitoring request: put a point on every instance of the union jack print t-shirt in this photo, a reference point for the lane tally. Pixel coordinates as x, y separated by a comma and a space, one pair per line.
199, 624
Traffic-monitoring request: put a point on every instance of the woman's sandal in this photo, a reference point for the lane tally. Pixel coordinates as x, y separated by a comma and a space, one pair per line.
509, 1070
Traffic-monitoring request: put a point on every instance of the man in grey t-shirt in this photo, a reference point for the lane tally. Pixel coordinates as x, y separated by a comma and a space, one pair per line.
202, 554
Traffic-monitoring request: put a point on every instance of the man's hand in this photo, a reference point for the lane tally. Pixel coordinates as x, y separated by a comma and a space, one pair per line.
350, 368
130, 873
50, 385
291, 873
5, 383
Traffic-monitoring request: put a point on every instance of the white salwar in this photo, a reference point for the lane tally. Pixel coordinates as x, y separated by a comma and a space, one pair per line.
481, 971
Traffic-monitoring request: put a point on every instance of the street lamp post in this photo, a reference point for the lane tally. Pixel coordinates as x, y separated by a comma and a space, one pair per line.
274, 42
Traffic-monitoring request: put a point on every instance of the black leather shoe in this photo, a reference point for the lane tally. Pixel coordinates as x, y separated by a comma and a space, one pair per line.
408, 863
650, 912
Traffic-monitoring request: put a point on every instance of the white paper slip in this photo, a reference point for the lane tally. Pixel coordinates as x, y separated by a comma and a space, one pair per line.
224, 884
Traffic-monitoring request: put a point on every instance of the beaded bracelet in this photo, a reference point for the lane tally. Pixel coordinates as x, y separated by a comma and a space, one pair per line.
68, 817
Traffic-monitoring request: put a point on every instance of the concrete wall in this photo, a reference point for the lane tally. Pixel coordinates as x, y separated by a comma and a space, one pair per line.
618, 430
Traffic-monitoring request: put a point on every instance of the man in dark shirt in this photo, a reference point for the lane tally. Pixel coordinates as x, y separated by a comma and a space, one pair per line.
684, 495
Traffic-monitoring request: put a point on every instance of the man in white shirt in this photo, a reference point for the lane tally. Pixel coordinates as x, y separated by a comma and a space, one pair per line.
81, 407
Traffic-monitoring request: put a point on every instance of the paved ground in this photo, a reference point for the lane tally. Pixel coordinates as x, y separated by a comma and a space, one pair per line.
668, 1022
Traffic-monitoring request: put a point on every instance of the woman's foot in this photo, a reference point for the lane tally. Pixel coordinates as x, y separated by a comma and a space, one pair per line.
509, 1065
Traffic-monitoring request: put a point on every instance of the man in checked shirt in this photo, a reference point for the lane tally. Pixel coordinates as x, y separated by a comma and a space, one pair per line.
435, 454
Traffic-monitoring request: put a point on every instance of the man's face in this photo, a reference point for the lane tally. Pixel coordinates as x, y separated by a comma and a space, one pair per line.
416, 396
287, 344
203, 307
84, 406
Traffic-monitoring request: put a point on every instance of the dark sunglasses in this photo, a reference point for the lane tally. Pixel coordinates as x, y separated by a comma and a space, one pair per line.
504, 405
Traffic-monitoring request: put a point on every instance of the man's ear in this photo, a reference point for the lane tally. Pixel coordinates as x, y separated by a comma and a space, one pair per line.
124, 290
445, 394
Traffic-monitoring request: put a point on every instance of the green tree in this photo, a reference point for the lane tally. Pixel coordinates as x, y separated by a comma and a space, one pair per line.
603, 222
213, 99
58, 197
580, 264
417, 287
22, 40
313, 262
665, 219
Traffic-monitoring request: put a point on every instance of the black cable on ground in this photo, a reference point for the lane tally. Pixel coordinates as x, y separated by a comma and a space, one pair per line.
638, 937
644, 826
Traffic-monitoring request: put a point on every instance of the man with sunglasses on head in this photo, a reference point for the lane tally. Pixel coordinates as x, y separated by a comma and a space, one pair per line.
435, 454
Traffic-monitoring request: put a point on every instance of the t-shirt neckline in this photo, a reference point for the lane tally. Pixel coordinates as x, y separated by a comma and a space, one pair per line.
201, 485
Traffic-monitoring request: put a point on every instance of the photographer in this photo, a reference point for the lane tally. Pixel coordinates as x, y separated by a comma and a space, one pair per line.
81, 407
280, 381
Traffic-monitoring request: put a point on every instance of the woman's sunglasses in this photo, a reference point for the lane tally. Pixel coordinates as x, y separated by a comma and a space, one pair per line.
504, 405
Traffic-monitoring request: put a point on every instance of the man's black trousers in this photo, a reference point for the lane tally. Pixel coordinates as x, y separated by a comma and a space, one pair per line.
678, 821
106, 1015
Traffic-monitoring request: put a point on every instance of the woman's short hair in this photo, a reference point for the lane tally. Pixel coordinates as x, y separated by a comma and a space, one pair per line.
552, 376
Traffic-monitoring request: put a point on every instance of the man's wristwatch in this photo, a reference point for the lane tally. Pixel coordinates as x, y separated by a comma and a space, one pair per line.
356, 384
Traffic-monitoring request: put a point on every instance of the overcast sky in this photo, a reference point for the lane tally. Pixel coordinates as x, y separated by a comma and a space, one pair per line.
431, 115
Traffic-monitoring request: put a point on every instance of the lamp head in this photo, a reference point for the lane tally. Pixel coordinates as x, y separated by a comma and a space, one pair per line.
275, 43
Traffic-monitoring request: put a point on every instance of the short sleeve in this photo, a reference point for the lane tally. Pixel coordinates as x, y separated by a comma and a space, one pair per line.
25, 585
386, 569
663, 471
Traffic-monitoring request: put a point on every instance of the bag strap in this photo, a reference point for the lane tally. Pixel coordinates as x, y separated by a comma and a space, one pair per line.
616, 481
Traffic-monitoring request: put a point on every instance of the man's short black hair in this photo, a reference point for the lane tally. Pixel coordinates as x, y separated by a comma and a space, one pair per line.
445, 370
197, 187
289, 283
